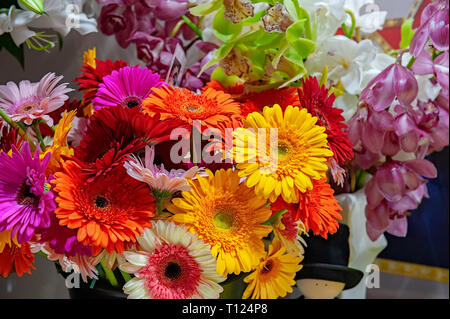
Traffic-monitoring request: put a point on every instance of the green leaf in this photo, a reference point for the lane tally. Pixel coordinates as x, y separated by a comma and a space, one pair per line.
295, 11
206, 8
407, 33
34, 5
224, 29
60, 41
7, 42
304, 47
275, 217
255, 19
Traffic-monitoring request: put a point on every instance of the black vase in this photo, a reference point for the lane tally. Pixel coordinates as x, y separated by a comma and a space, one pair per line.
101, 290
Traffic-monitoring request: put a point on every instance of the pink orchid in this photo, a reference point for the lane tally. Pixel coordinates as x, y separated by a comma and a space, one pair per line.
396, 81
396, 188
434, 26
439, 67
119, 20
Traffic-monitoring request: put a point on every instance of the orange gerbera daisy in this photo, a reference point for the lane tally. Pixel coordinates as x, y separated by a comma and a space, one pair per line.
319, 210
108, 212
19, 256
213, 108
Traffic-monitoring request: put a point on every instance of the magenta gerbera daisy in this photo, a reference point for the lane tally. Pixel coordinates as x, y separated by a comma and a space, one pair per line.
28, 101
26, 201
63, 240
128, 87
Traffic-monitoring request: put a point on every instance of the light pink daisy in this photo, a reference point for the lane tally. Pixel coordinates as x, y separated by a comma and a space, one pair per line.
28, 101
171, 263
128, 87
158, 178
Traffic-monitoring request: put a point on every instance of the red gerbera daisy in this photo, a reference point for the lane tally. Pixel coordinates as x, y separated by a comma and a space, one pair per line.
255, 102
10, 137
317, 100
108, 213
19, 256
91, 77
115, 132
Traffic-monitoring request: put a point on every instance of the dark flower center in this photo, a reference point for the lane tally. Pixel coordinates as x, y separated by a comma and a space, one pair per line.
172, 271
132, 104
267, 267
25, 196
101, 202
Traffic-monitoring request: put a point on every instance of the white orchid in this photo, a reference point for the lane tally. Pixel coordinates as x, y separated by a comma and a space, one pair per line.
15, 22
371, 20
327, 16
346, 59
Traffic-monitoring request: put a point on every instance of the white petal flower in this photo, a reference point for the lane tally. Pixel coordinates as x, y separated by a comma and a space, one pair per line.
171, 263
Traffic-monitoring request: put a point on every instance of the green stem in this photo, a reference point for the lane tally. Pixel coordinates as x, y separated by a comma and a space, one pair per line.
176, 28
109, 275
349, 33
126, 276
38, 134
16, 125
192, 26
411, 62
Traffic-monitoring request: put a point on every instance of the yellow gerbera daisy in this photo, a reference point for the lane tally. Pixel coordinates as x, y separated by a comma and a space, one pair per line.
59, 146
5, 239
274, 276
226, 215
280, 153
89, 57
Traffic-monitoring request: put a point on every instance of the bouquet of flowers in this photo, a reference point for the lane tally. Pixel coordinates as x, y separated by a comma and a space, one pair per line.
174, 179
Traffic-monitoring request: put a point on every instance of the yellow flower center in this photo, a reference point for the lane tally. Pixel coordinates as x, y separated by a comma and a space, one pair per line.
223, 220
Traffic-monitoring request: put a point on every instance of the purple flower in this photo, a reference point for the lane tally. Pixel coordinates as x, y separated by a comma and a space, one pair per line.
439, 67
25, 200
396, 81
119, 20
396, 188
434, 25
128, 87
63, 240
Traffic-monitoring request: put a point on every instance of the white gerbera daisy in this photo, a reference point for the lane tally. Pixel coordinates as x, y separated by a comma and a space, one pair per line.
171, 263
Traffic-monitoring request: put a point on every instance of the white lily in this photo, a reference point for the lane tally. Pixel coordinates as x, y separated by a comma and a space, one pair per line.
64, 15
370, 21
16, 23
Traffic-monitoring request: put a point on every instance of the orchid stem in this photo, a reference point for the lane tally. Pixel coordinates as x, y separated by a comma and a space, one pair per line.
192, 26
411, 62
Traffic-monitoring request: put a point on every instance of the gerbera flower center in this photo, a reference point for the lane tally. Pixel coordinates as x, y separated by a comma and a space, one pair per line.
192, 107
131, 102
27, 107
223, 219
25, 196
283, 150
268, 266
173, 270
101, 202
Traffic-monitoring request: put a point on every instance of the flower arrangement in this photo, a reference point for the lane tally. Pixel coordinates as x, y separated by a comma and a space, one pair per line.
170, 184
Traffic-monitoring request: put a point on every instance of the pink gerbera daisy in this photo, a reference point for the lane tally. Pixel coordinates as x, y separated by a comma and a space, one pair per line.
26, 201
171, 263
159, 178
128, 87
28, 101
